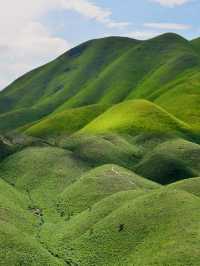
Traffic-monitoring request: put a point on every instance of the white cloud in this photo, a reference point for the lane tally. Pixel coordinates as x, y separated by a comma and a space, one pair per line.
171, 3
35, 39
25, 43
32, 47
92, 11
142, 35
168, 26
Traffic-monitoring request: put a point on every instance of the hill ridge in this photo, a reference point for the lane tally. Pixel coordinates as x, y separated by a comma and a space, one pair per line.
91, 73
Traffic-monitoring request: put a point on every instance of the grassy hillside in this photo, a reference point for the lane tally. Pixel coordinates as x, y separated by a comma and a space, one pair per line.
127, 237
65, 122
100, 157
170, 161
132, 117
52, 85
196, 44
100, 183
103, 149
58, 208
191, 185
42, 173
19, 230
106, 71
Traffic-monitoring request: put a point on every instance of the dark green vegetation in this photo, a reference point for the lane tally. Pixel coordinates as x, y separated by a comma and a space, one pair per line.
100, 157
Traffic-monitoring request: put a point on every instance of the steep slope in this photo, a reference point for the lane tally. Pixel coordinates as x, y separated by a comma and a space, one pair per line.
181, 98
105, 71
196, 44
74, 67
176, 57
48, 87
123, 78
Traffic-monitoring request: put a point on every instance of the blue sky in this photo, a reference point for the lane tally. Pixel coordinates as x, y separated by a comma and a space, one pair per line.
146, 18
36, 31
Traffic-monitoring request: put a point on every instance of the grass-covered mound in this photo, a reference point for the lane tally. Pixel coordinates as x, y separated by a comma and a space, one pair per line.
65, 122
136, 116
103, 149
181, 149
19, 228
161, 157
16, 248
171, 160
191, 185
164, 169
42, 173
97, 184
148, 230
58, 208
58, 236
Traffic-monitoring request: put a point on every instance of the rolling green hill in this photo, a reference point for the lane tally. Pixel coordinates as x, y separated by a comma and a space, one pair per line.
108, 71
100, 157
133, 117
157, 240
65, 122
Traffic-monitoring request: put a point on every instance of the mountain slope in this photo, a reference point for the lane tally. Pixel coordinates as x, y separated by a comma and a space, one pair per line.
48, 87
105, 71
196, 44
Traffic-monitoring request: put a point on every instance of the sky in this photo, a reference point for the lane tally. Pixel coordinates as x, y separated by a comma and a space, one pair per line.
34, 32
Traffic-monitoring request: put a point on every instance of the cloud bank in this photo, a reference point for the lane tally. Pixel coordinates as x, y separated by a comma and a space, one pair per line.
167, 26
171, 3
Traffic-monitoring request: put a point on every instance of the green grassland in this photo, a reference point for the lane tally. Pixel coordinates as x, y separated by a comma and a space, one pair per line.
59, 208
100, 157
